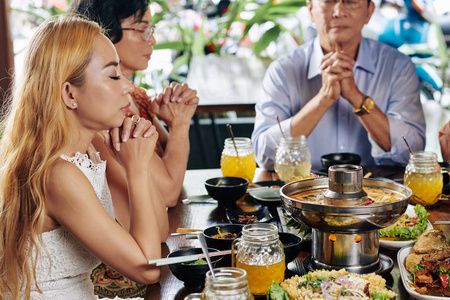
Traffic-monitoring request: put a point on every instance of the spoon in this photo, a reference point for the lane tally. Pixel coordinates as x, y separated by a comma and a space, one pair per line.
232, 138
202, 240
407, 144
279, 125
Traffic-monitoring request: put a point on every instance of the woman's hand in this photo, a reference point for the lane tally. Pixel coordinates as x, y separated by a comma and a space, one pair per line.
179, 93
173, 113
132, 144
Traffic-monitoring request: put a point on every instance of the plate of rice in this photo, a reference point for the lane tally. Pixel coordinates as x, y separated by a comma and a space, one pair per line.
332, 285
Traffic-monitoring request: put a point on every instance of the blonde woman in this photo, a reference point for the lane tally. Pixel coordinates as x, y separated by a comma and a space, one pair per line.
56, 214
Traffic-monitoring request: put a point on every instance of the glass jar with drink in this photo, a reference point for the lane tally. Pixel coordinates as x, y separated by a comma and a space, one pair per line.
292, 158
260, 253
423, 176
238, 161
226, 284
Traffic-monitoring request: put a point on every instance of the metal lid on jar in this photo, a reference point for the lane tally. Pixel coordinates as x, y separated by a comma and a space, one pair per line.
345, 186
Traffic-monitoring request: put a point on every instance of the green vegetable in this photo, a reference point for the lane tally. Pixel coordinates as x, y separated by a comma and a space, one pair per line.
379, 296
199, 261
409, 233
299, 228
276, 292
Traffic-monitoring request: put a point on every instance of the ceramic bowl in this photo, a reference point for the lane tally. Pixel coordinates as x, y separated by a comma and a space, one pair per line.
332, 159
291, 245
220, 243
226, 189
193, 276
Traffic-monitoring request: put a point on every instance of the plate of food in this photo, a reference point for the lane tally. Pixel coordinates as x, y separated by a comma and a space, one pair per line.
241, 217
332, 285
407, 229
425, 267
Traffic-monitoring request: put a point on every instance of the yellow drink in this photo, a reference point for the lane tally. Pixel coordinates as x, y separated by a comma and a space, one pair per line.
426, 186
242, 166
260, 277
286, 172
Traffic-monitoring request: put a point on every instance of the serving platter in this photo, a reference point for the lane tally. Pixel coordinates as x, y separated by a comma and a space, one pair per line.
401, 255
396, 245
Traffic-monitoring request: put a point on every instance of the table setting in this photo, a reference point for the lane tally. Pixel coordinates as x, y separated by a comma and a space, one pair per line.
266, 200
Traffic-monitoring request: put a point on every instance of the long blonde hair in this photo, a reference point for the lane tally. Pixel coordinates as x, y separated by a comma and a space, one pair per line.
35, 134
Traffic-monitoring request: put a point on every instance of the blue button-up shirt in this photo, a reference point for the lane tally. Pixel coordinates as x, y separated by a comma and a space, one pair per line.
380, 71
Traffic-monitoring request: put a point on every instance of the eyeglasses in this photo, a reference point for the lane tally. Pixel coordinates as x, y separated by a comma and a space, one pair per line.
348, 4
146, 32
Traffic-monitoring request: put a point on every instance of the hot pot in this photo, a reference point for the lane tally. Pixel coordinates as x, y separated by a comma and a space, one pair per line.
345, 233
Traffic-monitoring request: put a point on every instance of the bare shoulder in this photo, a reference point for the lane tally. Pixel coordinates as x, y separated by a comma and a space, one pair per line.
66, 185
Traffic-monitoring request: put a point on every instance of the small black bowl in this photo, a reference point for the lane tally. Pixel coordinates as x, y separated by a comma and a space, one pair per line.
332, 159
218, 243
193, 276
239, 217
226, 189
291, 245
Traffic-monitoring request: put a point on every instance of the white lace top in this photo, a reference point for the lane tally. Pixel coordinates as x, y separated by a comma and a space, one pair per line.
66, 273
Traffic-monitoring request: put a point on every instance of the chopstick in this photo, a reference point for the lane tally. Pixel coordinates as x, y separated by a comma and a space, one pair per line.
187, 258
367, 175
187, 230
441, 223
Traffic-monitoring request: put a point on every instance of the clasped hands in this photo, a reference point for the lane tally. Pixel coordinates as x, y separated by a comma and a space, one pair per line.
336, 69
177, 103
132, 143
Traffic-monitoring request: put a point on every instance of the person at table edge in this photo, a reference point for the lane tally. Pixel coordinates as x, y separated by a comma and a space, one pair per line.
345, 93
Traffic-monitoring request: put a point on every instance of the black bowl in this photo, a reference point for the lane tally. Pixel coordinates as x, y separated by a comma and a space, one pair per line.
332, 159
221, 244
291, 245
226, 189
262, 215
193, 276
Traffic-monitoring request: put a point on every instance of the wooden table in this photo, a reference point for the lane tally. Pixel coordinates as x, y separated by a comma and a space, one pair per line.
201, 216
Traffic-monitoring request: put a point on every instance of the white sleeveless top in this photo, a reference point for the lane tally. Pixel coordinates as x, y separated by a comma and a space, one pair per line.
66, 273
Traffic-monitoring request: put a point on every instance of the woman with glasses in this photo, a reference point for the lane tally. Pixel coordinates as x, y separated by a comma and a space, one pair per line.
345, 93
128, 24
56, 212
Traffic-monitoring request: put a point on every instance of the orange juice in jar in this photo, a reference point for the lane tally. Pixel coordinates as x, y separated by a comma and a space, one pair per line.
239, 161
260, 253
423, 176
260, 277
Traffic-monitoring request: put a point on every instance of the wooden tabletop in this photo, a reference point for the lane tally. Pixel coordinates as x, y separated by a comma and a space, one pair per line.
200, 216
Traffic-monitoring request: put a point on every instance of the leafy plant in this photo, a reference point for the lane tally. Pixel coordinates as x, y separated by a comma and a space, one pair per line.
198, 41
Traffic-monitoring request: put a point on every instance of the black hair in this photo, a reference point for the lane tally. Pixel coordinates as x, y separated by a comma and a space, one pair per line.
109, 13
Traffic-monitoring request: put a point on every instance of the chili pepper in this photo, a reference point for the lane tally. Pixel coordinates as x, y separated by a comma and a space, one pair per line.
444, 280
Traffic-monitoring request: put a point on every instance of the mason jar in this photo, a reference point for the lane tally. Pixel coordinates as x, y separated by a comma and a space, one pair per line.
227, 284
260, 253
292, 158
238, 161
423, 176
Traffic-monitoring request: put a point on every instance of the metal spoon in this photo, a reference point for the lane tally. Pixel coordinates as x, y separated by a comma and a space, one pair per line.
202, 240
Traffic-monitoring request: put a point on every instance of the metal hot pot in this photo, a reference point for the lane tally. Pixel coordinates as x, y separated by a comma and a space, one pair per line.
344, 233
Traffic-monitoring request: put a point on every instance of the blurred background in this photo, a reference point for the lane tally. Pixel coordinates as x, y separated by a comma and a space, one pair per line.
222, 48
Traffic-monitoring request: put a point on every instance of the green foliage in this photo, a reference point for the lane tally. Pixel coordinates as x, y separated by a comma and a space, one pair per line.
193, 42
